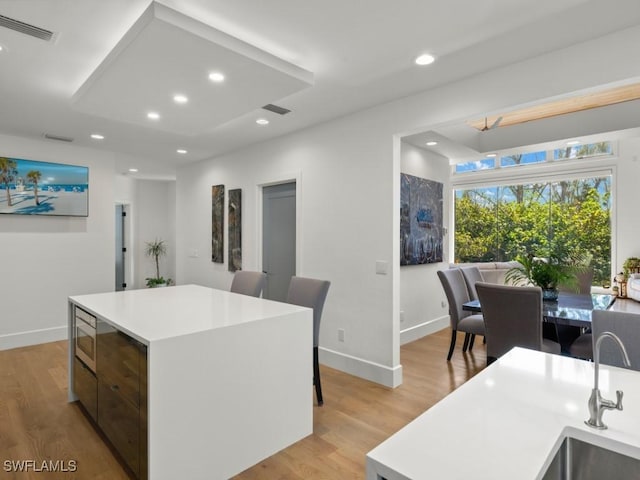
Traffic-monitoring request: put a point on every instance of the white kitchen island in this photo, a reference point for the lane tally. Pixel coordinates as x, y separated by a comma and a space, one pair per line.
229, 376
507, 421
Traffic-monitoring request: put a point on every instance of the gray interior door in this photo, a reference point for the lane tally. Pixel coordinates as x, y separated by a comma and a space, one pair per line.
120, 248
278, 238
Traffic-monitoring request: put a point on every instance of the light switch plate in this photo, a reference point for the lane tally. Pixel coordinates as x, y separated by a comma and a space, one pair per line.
382, 267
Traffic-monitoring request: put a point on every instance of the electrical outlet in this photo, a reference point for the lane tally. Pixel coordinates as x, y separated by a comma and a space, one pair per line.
401, 316
341, 334
443, 303
193, 253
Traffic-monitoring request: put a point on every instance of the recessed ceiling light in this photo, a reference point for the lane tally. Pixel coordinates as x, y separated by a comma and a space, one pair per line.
573, 142
425, 59
179, 98
1, 48
97, 136
216, 77
153, 115
491, 155
133, 170
181, 151
262, 121
432, 143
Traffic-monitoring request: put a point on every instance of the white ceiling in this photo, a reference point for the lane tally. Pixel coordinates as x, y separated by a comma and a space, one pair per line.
359, 52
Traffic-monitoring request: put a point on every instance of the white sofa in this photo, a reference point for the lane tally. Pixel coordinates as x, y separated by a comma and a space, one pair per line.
492, 272
633, 286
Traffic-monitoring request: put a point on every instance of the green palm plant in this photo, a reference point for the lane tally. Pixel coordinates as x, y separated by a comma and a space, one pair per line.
156, 249
550, 269
34, 177
8, 172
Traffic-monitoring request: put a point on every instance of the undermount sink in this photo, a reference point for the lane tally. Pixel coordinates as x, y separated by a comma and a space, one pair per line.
580, 459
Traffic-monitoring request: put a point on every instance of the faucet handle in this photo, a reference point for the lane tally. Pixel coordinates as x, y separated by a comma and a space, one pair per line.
619, 394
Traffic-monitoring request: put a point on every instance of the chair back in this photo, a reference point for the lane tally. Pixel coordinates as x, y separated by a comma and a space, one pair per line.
584, 282
472, 275
627, 327
455, 288
248, 283
311, 293
512, 317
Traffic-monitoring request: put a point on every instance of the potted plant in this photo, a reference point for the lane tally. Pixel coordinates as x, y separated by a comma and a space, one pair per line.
546, 272
156, 249
631, 265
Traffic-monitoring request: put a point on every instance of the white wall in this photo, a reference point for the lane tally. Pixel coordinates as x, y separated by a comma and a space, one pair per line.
46, 259
627, 224
421, 311
349, 170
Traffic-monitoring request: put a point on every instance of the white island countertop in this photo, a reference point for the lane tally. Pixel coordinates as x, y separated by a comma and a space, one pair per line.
155, 314
506, 421
229, 377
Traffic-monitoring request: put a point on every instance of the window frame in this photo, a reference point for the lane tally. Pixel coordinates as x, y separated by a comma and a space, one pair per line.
550, 171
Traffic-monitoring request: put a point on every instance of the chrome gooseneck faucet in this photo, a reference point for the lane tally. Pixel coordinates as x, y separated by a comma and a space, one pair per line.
597, 404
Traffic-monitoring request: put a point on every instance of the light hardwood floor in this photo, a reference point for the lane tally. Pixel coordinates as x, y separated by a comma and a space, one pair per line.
37, 423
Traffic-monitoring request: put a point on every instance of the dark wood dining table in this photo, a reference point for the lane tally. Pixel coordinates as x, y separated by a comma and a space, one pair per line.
572, 309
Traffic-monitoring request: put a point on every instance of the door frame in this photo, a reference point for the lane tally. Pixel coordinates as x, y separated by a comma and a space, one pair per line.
278, 180
129, 257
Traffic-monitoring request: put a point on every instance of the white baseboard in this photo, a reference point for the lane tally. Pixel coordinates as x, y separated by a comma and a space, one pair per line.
374, 372
424, 329
33, 337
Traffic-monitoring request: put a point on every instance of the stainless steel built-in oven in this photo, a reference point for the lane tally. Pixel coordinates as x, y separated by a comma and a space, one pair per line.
85, 338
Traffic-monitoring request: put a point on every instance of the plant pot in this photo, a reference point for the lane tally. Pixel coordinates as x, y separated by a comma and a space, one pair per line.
550, 294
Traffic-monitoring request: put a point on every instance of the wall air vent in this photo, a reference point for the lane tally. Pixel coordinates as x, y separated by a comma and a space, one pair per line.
25, 28
58, 138
276, 109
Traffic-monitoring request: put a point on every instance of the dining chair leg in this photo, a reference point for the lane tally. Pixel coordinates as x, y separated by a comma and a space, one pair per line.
316, 377
473, 338
454, 334
465, 345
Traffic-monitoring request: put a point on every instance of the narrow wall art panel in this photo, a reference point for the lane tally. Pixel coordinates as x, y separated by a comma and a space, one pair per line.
421, 217
217, 223
235, 230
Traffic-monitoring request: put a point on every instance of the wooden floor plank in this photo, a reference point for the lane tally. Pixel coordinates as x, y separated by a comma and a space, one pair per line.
39, 424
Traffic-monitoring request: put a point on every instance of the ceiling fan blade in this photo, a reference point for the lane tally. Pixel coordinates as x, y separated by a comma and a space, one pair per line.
495, 124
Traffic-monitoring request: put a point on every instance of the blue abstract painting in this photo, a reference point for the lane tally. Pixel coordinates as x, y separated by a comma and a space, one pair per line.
421, 217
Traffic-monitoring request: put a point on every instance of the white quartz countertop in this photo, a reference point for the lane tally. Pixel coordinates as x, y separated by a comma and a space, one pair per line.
505, 422
159, 313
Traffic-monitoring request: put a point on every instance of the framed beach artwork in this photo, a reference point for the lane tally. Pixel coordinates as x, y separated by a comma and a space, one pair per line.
235, 230
30, 187
217, 223
421, 217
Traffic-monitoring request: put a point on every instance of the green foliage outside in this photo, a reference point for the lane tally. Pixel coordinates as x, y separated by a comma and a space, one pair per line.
501, 223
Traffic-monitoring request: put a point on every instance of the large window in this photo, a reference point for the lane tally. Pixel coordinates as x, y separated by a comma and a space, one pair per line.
570, 152
499, 222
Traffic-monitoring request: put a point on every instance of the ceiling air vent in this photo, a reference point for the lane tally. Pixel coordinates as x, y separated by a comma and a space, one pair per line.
276, 109
25, 28
58, 138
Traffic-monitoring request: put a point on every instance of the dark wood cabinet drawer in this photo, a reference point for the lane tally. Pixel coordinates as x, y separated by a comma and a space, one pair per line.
121, 369
85, 386
118, 419
118, 362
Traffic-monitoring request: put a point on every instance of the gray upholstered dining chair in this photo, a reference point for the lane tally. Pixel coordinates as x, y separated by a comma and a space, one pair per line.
513, 318
584, 282
248, 283
627, 327
472, 275
311, 293
461, 320
582, 347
